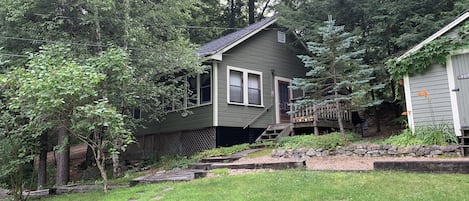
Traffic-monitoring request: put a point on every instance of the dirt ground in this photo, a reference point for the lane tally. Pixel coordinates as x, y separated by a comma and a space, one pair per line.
343, 163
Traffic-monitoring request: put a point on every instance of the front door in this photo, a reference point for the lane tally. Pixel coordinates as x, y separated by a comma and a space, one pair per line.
461, 73
282, 99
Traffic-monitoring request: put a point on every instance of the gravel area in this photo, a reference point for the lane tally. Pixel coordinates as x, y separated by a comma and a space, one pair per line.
342, 163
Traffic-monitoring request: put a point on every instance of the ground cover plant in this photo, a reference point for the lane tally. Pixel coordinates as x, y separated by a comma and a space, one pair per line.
296, 185
431, 135
222, 151
328, 141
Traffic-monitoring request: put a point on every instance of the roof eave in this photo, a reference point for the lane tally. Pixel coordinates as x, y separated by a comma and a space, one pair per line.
218, 55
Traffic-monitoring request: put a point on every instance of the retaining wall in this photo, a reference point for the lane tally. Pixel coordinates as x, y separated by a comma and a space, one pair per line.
371, 150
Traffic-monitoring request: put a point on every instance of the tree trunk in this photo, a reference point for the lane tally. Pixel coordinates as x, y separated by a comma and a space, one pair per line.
261, 15
116, 168
232, 13
63, 157
101, 163
42, 167
251, 11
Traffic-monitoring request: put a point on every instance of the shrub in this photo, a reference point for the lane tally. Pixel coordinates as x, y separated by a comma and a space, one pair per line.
328, 141
440, 134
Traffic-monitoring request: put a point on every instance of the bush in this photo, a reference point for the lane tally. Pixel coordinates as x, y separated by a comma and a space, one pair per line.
328, 141
431, 135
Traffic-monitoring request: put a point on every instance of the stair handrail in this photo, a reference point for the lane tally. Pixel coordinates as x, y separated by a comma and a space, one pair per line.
258, 116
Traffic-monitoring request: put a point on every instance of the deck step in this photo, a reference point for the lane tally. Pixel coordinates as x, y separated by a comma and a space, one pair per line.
275, 132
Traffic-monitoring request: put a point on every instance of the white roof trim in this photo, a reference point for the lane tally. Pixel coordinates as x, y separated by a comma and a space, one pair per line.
435, 35
244, 38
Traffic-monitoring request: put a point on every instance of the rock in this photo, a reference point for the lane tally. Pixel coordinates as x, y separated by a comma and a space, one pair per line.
436, 152
434, 147
374, 147
360, 151
450, 148
325, 153
404, 150
387, 146
392, 152
278, 152
311, 152
375, 152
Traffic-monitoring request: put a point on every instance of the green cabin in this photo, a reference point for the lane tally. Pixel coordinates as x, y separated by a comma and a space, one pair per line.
245, 90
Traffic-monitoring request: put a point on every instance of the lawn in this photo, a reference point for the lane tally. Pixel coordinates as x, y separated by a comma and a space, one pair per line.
297, 185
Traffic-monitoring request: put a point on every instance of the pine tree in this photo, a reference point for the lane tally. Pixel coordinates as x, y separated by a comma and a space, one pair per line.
335, 73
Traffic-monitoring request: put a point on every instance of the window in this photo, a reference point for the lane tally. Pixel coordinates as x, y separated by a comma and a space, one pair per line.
244, 87
205, 92
198, 91
236, 86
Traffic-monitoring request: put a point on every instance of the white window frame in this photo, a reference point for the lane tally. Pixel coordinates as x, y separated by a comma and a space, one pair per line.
245, 73
198, 93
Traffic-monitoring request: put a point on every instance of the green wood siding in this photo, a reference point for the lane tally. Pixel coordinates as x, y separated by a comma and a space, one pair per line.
260, 53
201, 117
436, 108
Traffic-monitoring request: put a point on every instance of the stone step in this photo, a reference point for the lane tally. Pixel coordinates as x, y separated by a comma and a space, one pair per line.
268, 165
169, 176
220, 159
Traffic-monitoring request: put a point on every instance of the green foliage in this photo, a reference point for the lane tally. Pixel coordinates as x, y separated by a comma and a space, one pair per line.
327, 141
222, 151
171, 162
440, 134
434, 52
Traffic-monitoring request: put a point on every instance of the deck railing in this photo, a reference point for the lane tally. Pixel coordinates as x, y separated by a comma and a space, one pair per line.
309, 113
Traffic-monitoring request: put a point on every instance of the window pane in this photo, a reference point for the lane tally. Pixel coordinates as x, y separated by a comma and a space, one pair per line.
205, 88
192, 92
254, 89
236, 86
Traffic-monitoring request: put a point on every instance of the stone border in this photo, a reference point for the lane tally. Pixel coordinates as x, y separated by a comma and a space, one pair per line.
371, 150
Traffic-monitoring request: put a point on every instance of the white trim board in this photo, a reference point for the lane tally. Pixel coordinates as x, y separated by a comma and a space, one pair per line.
215, 93
408, 103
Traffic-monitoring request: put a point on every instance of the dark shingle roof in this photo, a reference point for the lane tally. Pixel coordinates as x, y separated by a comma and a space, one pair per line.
219, 44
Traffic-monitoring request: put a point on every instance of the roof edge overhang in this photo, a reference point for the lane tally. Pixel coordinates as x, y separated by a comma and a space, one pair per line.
218, 55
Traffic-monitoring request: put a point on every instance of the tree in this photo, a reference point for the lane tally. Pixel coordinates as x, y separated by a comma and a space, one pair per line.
17, 146
108, 132
153, 34
335, 73
46, 93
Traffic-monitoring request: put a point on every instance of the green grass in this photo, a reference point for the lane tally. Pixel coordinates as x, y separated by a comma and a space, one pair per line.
327, 141
297, 185
263, 152
222, 151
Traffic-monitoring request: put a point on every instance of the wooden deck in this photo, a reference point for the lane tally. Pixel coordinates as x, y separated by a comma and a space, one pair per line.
324, 116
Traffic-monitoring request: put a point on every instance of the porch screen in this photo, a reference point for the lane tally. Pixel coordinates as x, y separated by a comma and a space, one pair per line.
205, 88
236, 86
254, 89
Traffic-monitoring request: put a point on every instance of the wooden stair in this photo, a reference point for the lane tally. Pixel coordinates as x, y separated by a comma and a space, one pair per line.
464, 140
275, 132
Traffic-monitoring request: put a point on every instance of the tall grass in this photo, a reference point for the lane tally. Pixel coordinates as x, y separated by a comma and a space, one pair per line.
441, 134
